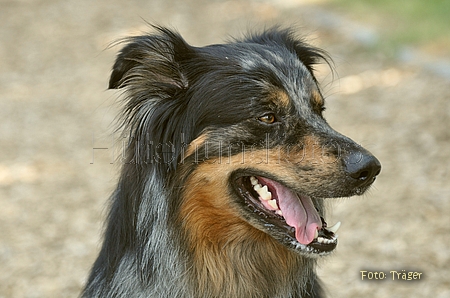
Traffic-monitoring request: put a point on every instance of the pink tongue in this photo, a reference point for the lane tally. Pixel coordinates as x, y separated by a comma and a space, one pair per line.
298, 211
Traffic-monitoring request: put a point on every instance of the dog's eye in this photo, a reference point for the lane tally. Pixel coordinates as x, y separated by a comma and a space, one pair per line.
267, 118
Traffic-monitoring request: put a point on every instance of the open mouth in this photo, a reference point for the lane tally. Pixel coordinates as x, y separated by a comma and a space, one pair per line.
290, 217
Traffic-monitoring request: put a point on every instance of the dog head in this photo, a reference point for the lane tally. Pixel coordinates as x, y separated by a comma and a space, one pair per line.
237, 130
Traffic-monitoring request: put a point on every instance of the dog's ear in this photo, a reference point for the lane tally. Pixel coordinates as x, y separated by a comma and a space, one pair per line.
152, 61
308, 55
154, 72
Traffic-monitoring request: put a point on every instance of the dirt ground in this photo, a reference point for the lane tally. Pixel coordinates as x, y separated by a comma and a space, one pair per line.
55, 109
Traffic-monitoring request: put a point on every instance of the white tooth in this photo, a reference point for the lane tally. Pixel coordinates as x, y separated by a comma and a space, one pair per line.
257, 187
253, 180
324, 240
273, 204
279, 212
316, 234
265, 194
334, 228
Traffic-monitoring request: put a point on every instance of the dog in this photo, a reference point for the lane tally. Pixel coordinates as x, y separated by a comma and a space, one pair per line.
228, 163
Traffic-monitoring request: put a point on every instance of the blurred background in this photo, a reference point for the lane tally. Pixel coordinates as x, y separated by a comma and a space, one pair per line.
391, 94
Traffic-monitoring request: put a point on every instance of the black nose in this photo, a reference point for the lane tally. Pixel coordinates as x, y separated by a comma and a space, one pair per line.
362, 167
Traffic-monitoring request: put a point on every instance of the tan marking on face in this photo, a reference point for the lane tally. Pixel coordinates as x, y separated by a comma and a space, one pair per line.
210, 214
317, 98
311, 152
195, 145
283, 98
280, 98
